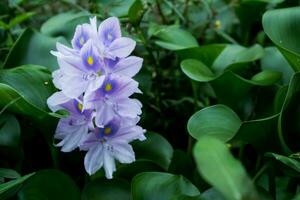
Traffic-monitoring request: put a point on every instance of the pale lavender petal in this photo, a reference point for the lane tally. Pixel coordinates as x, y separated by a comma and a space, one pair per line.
121, 47
104, 114
57, 78
129, 107
127, 87
95, 84
56, 100
90, 57
66, 51
129, 66
129, 134
109, 30
68, 68
74, 86
123, 152
82, 34
72, 140
93, 159
109, 163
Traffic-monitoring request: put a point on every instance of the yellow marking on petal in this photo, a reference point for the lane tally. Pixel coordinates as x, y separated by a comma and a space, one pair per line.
218, 24
107, 131
90, 60
108, 87
79, 106
81, 40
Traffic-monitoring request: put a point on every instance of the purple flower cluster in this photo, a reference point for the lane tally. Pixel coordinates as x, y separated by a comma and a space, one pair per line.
95, 83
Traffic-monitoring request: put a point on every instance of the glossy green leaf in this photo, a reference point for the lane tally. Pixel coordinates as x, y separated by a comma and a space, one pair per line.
196, 70
274, 60
206, 54
293, 163
288, 126
9, 173
219, 168
9, 130
106, 189
236, 55
258, 133
160, 186
49, 184
136, 12
8, 189
64, 24
174, 38
283, 28
118, 8
33, 48
31, 84
155, 149
218, 121
266, 77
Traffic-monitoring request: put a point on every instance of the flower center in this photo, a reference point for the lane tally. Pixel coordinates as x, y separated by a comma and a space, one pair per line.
108, 87
90, 60
79, 106
107, 130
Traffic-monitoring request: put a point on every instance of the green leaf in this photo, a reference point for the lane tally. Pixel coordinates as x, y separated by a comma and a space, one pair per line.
64, 24
174, 38
258, 133
118, 8
33, 48
293, 163
9, 173
234, 55
196, 70
206, 54
20, 18
218, 121
288, 126
49, 184
160, 186
106, 189
8, 189
283, 28
274, 60
32, 84
266, 77
219, 168
136, 12
155, 149
9, 130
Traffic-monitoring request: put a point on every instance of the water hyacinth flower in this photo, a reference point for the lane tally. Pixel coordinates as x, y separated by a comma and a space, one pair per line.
95, 83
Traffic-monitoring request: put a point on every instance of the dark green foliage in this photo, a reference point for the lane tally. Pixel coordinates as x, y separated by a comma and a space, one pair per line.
221, 93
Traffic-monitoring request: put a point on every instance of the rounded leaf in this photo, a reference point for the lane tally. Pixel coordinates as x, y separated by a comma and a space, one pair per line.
218, 121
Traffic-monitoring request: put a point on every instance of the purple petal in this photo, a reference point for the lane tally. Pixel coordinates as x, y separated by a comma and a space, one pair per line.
123, 152
90, 57
129, 134
104, 114
109, 163
81, 36
74, 86
109, 30
57, 78
129, 107
129, 66
93, 159
121, 47
56, 100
